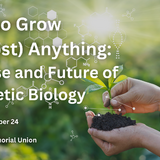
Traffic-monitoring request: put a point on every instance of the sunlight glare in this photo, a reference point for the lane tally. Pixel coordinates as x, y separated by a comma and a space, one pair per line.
101, 24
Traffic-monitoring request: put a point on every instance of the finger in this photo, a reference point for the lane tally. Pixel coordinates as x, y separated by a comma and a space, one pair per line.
120, 110
122, 99
102, 144
106, 99
99, 142
89, 121
103, 135
120, 88
90, 113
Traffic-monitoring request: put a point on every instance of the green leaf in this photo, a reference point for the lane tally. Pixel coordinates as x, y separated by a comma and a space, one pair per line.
110, 82
93, 88
120, 70
120, 79
94, 80
111, 79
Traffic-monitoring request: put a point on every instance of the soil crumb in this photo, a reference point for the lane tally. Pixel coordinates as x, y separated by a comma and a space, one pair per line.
108, 121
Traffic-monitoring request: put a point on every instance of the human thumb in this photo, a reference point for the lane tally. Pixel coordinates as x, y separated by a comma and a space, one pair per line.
122, 99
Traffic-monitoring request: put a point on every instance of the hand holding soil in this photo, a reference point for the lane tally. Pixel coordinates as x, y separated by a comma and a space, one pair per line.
119, 140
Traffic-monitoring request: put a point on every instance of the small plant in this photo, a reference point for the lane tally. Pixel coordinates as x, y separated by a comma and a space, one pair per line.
97, 84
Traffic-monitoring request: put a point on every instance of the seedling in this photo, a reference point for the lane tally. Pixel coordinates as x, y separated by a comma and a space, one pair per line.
97, 84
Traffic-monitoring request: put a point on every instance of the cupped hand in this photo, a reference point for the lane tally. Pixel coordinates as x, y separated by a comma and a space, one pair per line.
117, 140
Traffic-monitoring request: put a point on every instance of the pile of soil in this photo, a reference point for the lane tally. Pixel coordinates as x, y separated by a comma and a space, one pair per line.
108, 121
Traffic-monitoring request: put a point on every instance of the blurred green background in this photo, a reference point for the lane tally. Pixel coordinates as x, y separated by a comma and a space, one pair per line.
52, 127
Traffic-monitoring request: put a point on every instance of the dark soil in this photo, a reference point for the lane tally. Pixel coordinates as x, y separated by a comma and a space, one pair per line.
108, 121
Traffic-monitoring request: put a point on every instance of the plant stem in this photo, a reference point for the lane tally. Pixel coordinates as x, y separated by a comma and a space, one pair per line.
110, 97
